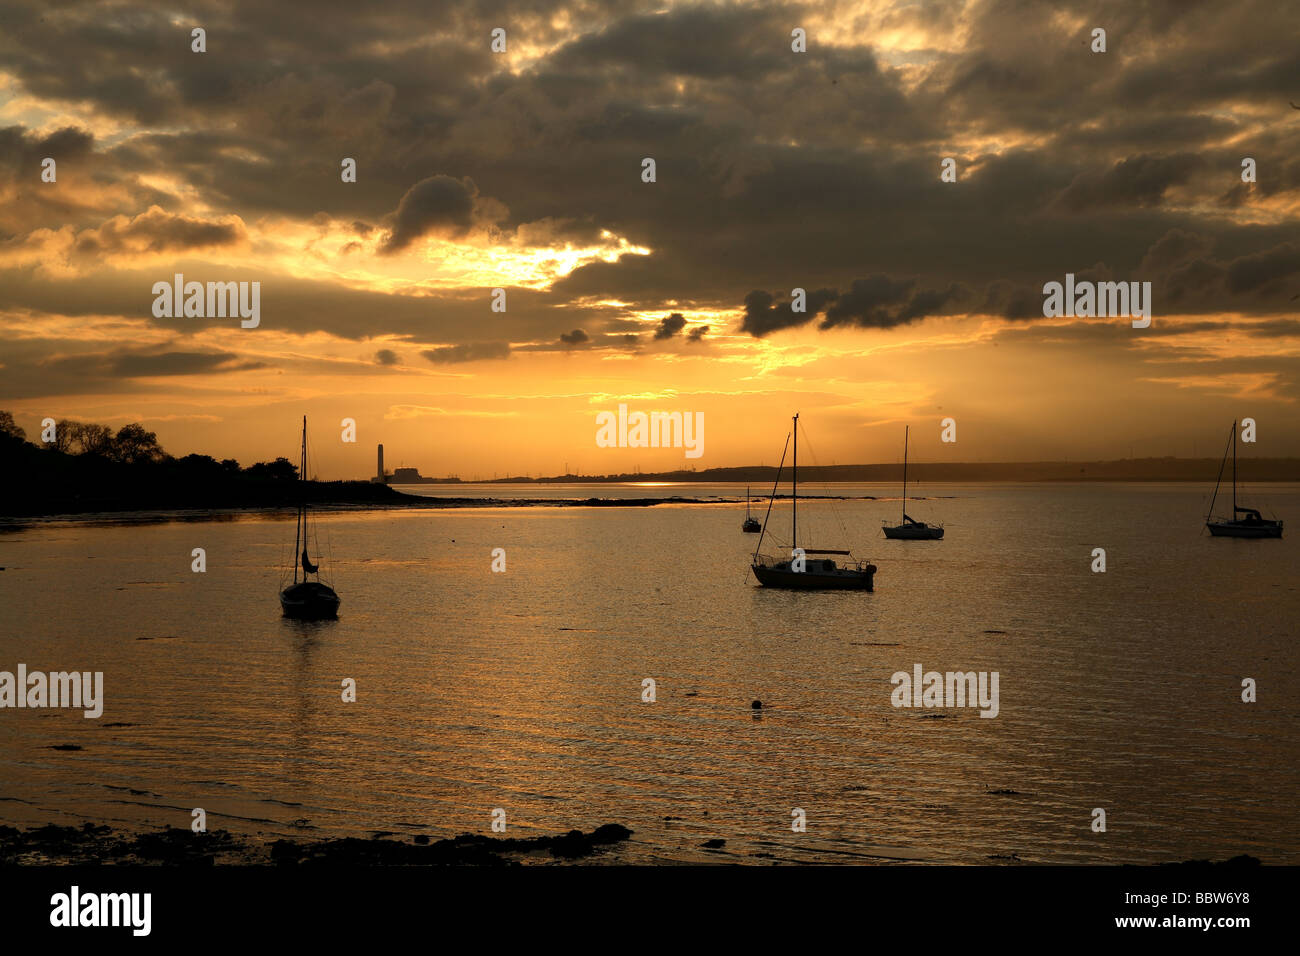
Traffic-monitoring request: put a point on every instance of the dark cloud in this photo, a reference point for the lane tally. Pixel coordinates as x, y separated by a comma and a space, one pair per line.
775, 169
386, 357
697, 333
436, 204
143, 365
1257, 269
1173, 249
878, 301
576, 337
468, 352
763, 316
157, 231
37, 368
670, 325
21, 152
1135, 181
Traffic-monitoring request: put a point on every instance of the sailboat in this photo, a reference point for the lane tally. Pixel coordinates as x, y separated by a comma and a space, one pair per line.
910, 529
752, 525
1252, 525
799, 573
306, 599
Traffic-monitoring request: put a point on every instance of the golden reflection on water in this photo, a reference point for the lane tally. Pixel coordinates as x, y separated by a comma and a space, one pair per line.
522, 689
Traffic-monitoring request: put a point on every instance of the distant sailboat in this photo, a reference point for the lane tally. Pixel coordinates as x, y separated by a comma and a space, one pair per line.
799, 573
1251, 526
752, 525
911, 530
306, 599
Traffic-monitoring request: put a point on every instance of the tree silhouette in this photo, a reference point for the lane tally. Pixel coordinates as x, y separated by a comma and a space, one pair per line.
134, 445
9, 429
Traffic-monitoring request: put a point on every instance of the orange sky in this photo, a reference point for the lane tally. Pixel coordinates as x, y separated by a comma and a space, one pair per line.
775, 170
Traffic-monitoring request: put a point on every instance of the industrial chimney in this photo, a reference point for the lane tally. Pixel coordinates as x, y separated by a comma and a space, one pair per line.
379, 475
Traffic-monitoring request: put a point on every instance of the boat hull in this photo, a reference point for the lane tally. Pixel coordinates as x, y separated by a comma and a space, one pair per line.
751, 527
309, 601
913, 532
1241, 529
842, 579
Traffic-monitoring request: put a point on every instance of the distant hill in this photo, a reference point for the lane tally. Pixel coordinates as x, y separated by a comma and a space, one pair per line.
1126, 469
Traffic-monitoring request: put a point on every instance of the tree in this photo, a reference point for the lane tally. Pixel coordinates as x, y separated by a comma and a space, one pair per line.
134, 445
281, 469
64, 429
9, 429
199, 464
91, 439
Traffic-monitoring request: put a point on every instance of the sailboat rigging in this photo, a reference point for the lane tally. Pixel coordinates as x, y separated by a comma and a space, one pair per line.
911, 529
800, 573
306, 599
1253, 525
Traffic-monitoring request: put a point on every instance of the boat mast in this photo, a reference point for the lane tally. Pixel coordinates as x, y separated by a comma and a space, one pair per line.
906, 432
776, 483
1223, 463
794, 497
302, 504
1234, 471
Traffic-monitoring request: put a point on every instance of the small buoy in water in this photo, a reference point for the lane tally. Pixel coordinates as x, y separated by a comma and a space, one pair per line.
756, 705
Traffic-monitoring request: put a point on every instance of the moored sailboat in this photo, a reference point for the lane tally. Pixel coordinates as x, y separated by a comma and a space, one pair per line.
306, 599
798, 572
752, 525
911, 529
1253, 525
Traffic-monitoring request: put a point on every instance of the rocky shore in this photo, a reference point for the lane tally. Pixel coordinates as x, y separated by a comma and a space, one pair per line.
91, 844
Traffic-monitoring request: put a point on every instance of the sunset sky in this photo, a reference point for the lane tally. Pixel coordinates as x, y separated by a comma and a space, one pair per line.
775, 170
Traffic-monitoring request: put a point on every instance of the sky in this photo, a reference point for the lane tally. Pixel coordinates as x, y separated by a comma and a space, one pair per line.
774, 170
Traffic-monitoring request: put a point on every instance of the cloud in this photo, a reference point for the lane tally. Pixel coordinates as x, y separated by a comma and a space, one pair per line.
436, 204
878, 301
386, 357
1133, 182
469, 352
147, 365
763, 316
776, 169
670, 325
158, 231
1249, 272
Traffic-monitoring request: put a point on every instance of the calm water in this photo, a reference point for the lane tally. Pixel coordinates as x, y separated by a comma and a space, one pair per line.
522, 690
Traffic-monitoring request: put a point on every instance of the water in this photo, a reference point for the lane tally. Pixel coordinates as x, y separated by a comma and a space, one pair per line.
522, 690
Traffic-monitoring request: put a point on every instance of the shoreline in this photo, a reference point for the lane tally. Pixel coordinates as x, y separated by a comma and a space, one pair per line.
133, 515
91, 845
98, 845
131, 512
